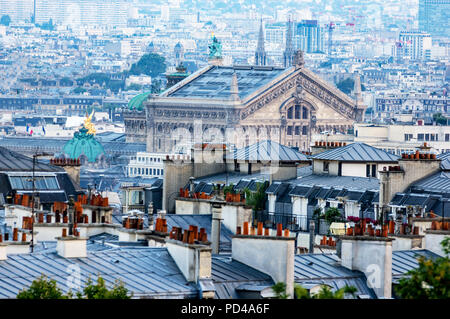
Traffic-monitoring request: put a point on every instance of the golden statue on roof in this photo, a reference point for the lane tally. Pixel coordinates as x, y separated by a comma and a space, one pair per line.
88, 124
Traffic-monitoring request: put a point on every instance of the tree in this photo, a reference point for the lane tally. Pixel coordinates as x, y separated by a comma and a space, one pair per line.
324, 293
228, 189
155, 88
431, 280
348, 85
439, 119
5, 20
42, 288
149, 64
332, 214
99, 290
256, 199
280, 290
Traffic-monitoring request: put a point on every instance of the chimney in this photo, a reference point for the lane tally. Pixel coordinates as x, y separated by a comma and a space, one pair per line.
372, 256
71, 247
397, 179
193, 258
3, 251
273, 255
215, 227
312, 227
433, 239
71, 166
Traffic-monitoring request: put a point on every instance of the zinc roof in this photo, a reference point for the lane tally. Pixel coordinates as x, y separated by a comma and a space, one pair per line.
357, 152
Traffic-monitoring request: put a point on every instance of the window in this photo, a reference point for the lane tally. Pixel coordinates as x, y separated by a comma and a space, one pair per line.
146, 171
162, 172
305, 113
368, 170
289, 130
41, 182
427, 137
447, 137
289, 113
326, 166
305, 130
297, 130
408, 137
374, 170
420, 137
297, 111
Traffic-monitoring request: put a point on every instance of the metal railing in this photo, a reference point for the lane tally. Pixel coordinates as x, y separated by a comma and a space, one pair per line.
291, 222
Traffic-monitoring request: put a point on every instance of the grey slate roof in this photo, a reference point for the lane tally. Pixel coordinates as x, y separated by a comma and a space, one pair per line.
349, 182
266, 151
326, 269
216, 82
445, 161
438, 183
12, 161
149, 272
228, 274
357, 152
406, 260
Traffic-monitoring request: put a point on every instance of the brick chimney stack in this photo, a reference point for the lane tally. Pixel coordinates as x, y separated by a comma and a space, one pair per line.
71, 166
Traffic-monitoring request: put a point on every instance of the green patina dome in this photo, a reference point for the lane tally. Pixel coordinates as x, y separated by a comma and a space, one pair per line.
136, 102
83, 143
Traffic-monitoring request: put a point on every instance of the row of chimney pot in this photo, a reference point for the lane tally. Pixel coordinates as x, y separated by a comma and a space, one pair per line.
418, 155
24, 200
184, 193
260, 230
440, 225
161, 225
234, 198
189, 236
325, 241
133, 223
330, 144
15, 236
80, 218
65, 161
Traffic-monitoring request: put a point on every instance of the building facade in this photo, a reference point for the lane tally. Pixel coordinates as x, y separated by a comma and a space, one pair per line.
413, 45
253, 102
434, 17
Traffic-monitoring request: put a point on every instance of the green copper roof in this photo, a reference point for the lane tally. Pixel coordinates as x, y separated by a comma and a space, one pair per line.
83, 144
136, 102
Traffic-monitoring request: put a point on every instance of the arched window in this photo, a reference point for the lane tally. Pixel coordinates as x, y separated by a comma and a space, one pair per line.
305, 113
289, 113
297, 111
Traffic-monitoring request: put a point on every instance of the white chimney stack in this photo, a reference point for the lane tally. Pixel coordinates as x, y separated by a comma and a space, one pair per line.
273, 255
193, 258
372, 256
215, 227
3, 251
71, 247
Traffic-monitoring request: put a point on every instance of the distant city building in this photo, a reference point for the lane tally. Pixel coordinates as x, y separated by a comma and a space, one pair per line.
409, 107
434, 17
82, 12
146, 165
414, 45
17, 10
260, 54
288, 54
310, 36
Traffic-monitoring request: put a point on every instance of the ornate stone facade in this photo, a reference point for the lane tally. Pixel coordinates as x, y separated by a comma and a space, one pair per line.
288, 109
